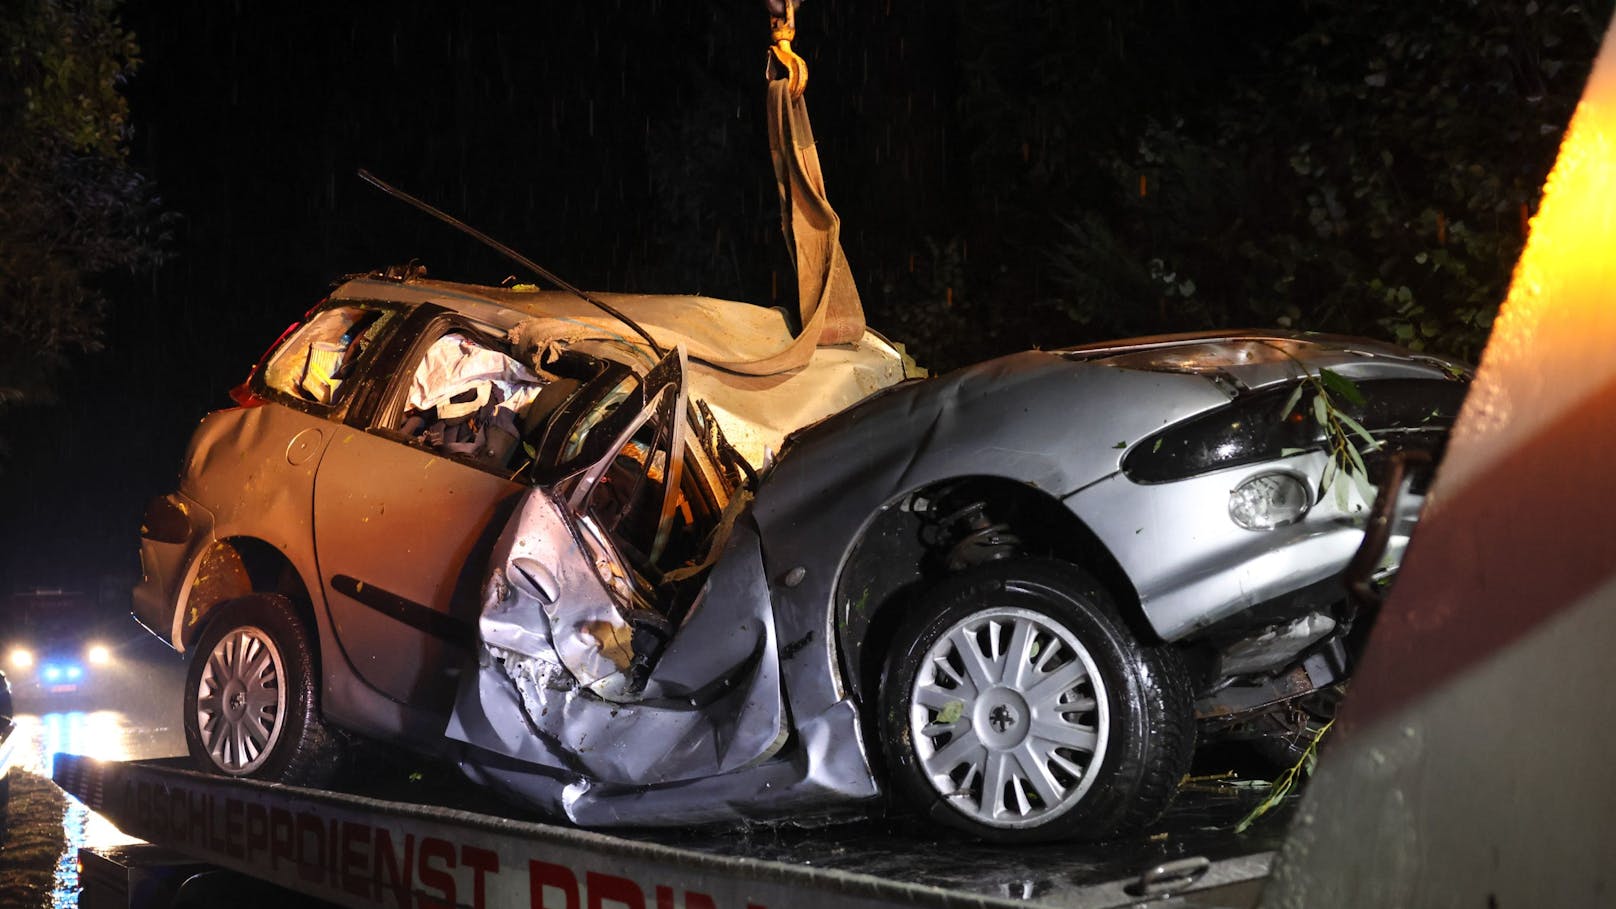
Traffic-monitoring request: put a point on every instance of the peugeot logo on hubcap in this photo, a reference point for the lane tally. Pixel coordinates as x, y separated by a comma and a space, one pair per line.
1003, 718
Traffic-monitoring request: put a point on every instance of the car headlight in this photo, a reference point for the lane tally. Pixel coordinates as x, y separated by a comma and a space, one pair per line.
1268, 500
52, 673
21, 658
98, 655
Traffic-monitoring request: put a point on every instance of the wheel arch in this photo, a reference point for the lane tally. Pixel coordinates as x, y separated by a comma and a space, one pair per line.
234, 567
893, 561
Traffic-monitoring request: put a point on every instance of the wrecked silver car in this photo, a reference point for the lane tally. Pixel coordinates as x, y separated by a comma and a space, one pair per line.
637, 589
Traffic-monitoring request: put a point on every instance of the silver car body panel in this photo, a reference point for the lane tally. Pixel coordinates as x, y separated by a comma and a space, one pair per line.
699, 744
1050, 421
1257, 359
824, 774
1192, 566
168, 569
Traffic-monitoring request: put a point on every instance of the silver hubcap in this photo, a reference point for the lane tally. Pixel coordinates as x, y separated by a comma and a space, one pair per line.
1008, 717
241, 700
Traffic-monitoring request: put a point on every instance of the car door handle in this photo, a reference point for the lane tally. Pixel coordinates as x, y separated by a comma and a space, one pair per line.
533, 579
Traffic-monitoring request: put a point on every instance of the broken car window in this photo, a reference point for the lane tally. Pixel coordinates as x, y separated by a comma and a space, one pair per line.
606, 407
312, 364
639, 500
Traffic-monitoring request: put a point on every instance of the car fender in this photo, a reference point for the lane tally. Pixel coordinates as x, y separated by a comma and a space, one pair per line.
1033, 418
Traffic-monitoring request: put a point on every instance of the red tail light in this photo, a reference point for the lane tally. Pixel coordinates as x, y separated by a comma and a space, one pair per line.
243, 394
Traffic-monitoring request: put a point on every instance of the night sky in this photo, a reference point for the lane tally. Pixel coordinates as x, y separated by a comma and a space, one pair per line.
621, 144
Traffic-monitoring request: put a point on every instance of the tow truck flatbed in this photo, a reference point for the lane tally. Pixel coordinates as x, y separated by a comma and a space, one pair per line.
387, 848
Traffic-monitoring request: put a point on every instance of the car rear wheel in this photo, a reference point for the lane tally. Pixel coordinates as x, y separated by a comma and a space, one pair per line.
251, 705
1017, 706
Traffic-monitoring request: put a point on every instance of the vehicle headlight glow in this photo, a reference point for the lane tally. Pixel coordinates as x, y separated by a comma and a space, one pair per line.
1267, 501
52, 673
21, 659
98, 655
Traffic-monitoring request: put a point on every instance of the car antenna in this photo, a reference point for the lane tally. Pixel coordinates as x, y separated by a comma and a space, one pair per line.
509, 253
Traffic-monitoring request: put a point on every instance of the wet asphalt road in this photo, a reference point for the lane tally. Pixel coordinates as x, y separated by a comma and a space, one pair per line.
127, 710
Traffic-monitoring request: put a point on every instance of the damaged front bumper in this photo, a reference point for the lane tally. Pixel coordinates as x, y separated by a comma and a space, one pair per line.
1193, 566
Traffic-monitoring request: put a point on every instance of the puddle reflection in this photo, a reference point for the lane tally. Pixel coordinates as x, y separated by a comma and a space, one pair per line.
103, 734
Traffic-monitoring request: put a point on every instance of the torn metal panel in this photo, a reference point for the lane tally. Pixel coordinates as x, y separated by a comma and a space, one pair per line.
543, 638
543, 603
164, 560
727, 627
826, 776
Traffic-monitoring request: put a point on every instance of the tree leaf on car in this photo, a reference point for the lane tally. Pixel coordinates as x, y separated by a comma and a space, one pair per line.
1337, 384
1291, 402
951, 713
1365, 488
1356, 460
1370, 441
1336, 485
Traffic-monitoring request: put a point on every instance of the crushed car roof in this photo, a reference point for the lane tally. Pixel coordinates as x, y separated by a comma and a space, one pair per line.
755, 412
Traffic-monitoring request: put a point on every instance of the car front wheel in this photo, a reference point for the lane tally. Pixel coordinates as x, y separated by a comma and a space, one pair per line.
1016, 705
251, 704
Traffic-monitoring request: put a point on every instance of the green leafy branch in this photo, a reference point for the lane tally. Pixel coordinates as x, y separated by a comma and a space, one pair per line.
1345, 470
1287, 781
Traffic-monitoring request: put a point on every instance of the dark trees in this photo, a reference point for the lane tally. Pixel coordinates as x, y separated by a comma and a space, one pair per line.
71, 209
1345, 166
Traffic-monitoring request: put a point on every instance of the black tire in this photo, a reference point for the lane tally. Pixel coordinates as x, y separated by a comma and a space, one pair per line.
287, 742
1145, 709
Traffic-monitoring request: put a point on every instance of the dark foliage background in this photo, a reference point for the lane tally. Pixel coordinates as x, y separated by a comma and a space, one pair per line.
1010, 173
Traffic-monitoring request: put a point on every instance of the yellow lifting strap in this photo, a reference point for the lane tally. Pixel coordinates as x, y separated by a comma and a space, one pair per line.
827, 299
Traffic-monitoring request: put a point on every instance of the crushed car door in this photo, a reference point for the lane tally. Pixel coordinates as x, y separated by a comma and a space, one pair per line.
404, 521
574, 626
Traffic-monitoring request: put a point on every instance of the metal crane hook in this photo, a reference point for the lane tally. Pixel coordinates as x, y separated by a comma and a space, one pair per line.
782, 31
